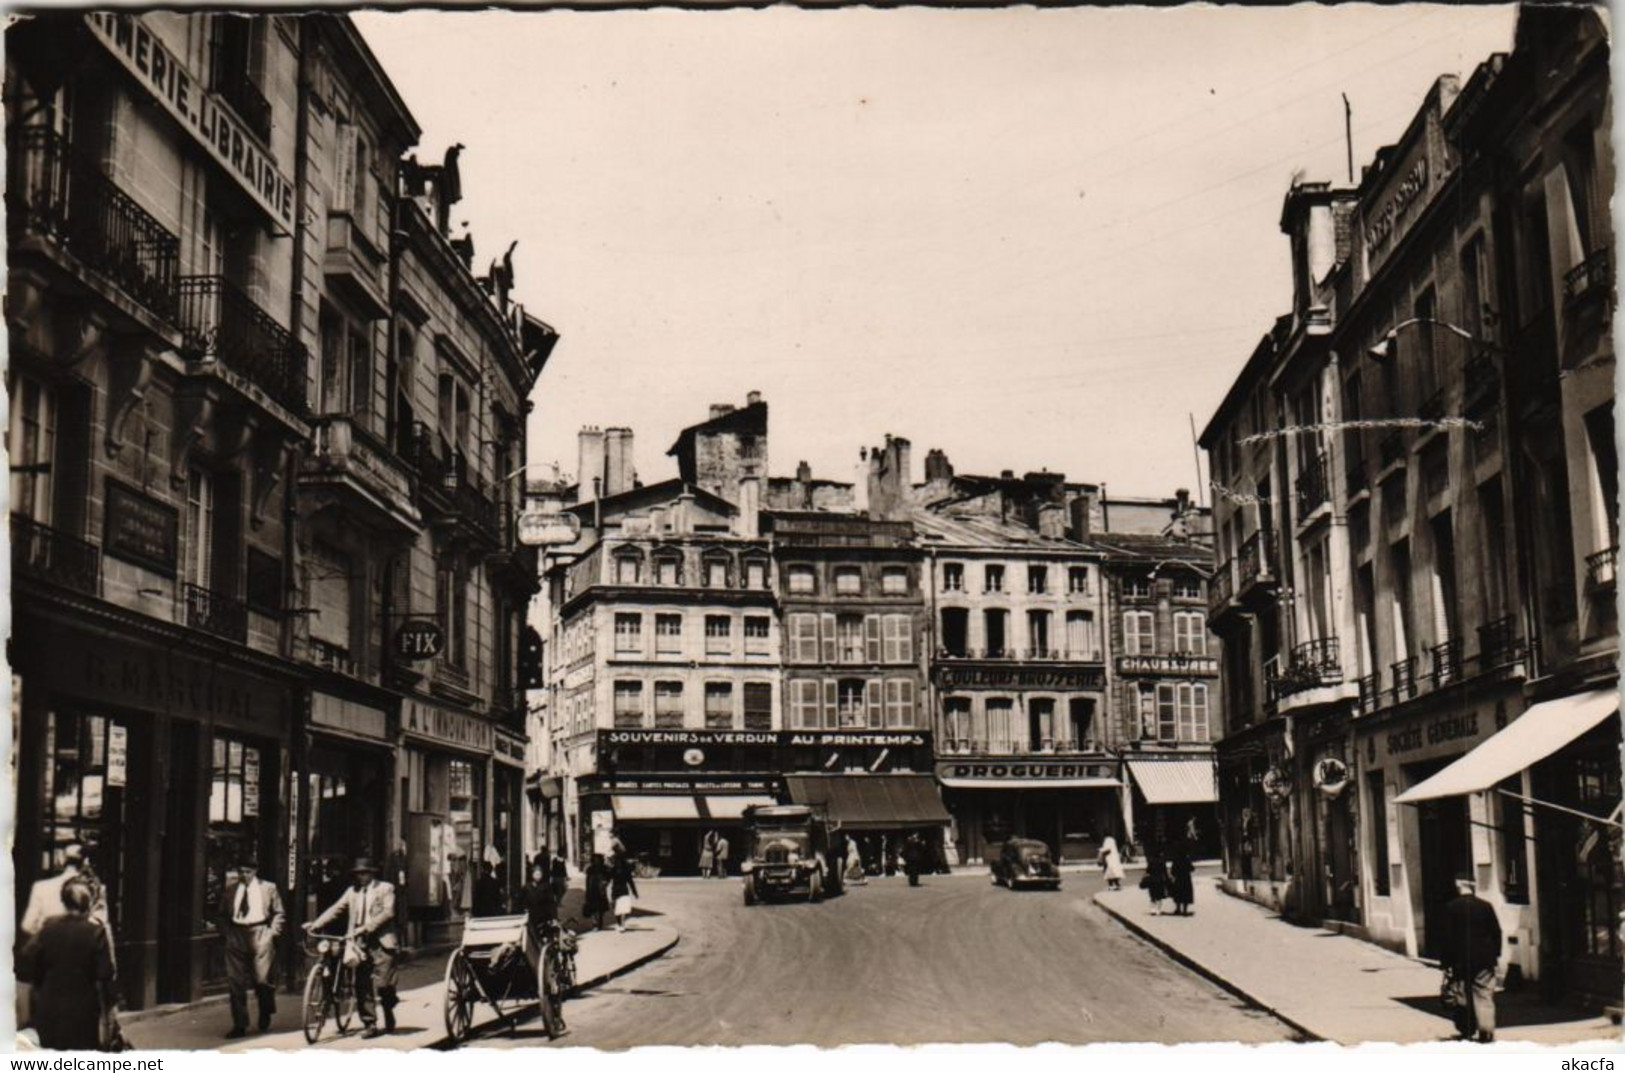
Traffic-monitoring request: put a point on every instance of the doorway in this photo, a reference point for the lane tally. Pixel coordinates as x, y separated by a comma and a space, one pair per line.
177, 867
1445, 847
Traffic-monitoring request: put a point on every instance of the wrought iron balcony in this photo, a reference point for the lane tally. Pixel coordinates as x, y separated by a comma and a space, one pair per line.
1370, 692
54, 195
1404, 675
220, 322
1602, 569
1027, 747
232, 82
1589, 279
41, 552
1499, 643
216, 613
1256, 562
1446, 663
1311, 486
1221, 588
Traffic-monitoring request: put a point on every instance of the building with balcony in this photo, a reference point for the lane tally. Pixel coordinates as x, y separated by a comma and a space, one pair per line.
156, 400
1019, 678
1453, 615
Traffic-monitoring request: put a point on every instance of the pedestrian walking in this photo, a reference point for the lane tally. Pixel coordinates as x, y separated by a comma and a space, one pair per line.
1180, 887
1472, 950
855, 874
722, 850
708, 854
370, 908
1155, 882
1111, 863
913, 854
45, 896
559, 876
489, 898
250, 919
540, 903
69, 965
597, 882
623, 886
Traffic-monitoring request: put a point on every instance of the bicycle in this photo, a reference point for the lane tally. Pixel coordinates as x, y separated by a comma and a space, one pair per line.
557, 974
330, 986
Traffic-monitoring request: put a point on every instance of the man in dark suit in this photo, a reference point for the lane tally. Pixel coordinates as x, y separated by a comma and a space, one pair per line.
1472, 949
370, 908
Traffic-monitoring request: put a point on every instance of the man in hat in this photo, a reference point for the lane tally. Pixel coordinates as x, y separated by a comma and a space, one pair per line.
251, 920
370, 909
1472, 949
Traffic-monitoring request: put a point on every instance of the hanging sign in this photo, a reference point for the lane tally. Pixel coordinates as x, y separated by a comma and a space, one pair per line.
1277, 785
419, 639
118, 755
251, 782
1331, 776
536, 528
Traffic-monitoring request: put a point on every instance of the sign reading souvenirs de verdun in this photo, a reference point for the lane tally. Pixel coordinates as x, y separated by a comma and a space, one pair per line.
198, 111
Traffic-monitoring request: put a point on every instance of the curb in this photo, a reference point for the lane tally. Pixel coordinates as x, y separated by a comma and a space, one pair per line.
635, 963
1202, 970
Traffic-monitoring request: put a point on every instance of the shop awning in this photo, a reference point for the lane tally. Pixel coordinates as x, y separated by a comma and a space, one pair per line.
730, 806
630, 809
1527, 740
1185, 781
872, 802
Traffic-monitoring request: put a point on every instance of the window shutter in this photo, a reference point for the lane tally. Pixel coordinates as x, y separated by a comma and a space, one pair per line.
1167, 713
873, 646
888, 634
831, 704
344, 148
873, 701
905, 704
905, 638
828, 625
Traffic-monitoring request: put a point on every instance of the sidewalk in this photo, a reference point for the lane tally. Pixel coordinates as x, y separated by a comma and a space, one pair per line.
1328, 986
420, 1016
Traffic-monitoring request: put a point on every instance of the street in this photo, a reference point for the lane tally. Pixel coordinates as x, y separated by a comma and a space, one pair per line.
956, 960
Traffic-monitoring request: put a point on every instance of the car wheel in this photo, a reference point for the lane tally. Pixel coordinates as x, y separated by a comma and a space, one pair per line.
750, 894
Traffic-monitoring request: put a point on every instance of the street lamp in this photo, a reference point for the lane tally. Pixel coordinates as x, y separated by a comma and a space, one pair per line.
1384, 350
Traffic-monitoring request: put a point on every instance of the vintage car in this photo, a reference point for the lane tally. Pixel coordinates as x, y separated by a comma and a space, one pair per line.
788, 855
1025, 862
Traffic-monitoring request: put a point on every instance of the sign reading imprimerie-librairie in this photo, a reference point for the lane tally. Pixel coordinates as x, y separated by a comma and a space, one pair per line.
196, 109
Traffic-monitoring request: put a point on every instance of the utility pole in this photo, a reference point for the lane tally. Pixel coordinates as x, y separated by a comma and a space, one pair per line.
1348, 133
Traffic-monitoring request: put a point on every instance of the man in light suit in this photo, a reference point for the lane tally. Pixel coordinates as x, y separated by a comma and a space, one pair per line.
370, 910
45, 896
251, 920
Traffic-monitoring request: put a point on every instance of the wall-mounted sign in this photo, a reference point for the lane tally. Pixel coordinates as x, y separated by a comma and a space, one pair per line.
679, 784
693, 757
118, 755
445, 727
140, 529
1380, 227
894, 738
1276, 784
362, 719
1435, 732
1331, 776
251, 782
419, 639
538, 528
1173, 664
1017, 772
200, 113
1022, 677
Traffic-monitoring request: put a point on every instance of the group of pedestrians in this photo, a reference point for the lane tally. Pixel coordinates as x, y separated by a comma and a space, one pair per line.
66, 961
1168, 878
611, 886
714, 850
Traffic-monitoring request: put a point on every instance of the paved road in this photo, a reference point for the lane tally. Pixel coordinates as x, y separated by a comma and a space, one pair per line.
955, 960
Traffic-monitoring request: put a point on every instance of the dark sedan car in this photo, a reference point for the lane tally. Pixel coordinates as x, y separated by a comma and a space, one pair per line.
1024, 862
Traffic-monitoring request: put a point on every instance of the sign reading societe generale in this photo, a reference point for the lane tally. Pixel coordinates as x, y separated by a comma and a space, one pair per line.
197, 110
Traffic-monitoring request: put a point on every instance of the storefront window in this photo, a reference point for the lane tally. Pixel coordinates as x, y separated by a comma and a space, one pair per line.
1379, 833
1514, 858
463, 788
85, 774
234, 812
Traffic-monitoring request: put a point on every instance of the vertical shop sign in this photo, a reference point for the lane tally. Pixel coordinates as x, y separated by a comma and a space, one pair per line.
251, 782
118, 755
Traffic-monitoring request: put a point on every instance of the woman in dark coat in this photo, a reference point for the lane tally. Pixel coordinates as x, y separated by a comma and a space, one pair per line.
1180, 887
70, 965
597, 900
1155, 882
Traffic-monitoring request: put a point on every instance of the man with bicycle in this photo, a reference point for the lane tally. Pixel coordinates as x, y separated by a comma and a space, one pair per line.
370, 911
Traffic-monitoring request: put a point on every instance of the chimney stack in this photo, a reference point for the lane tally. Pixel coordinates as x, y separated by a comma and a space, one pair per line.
682, 521
1182, 501
590, 464
1052, 521
1082, 509
750, 507
937, 466
617, 461
720, 409
803, 473
753, 398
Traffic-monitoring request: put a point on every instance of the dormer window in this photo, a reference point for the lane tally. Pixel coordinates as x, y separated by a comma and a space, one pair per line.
717, 573
628, 569
668, 570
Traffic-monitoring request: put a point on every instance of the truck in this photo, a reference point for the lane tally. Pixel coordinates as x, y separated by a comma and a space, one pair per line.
792, 852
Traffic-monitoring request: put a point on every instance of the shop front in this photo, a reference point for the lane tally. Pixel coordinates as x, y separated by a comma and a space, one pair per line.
168, 768
1547, 786
1070, 804
507, 804
1255, 788
1174, 799
443, 769
348, 771
663, 820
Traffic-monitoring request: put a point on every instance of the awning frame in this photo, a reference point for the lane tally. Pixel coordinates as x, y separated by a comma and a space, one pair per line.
1553, 805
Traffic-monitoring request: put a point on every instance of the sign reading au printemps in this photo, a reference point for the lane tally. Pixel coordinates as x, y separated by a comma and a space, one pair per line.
894, 738
199, 112
140, 529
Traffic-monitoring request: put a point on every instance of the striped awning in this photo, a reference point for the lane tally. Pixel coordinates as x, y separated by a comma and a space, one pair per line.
872, 802
1184, 780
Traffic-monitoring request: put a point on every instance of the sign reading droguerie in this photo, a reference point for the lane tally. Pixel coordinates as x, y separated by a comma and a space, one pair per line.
199, 112
1021, 677
140, 529
445, 727
1024, 770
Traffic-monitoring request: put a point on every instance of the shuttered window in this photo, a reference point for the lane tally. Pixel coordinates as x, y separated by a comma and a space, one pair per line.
804, 638
899, 639
805, 704
1139, 633
899, 703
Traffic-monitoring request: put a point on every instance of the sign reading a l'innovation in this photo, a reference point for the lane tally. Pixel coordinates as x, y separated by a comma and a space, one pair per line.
197, 110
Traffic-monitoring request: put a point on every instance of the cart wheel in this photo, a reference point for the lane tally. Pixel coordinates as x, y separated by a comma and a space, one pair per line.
550, 990
344, 998
315, 1004
460, 997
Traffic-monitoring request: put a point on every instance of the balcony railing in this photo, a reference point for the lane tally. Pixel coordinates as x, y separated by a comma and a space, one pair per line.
1392, 449
1032, 654
1602, 569
1588, 279
1446, 663
1370, 692
1499, 643
1221, 588
55, 195
1404, 675
1257, 558
234, 85
1311, 486
984, 747
48, 554
215, 613
220, 322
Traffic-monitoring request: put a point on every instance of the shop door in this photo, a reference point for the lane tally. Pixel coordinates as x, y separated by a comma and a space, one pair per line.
1581, 865
1341, 876
177, 867
1446, 853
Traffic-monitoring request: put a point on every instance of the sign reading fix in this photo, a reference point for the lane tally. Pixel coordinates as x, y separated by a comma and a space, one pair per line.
419, 639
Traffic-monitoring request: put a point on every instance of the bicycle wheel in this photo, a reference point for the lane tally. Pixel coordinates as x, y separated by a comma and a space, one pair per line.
316, 1002
344, 1001
550, 989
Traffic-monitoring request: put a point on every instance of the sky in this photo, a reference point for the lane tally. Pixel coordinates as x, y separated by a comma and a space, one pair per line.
1035, 239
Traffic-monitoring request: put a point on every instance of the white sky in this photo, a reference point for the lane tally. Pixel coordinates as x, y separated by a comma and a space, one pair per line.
1031, 238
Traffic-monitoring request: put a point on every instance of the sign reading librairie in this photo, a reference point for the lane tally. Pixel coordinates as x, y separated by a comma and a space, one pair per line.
140, 529
199, 112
